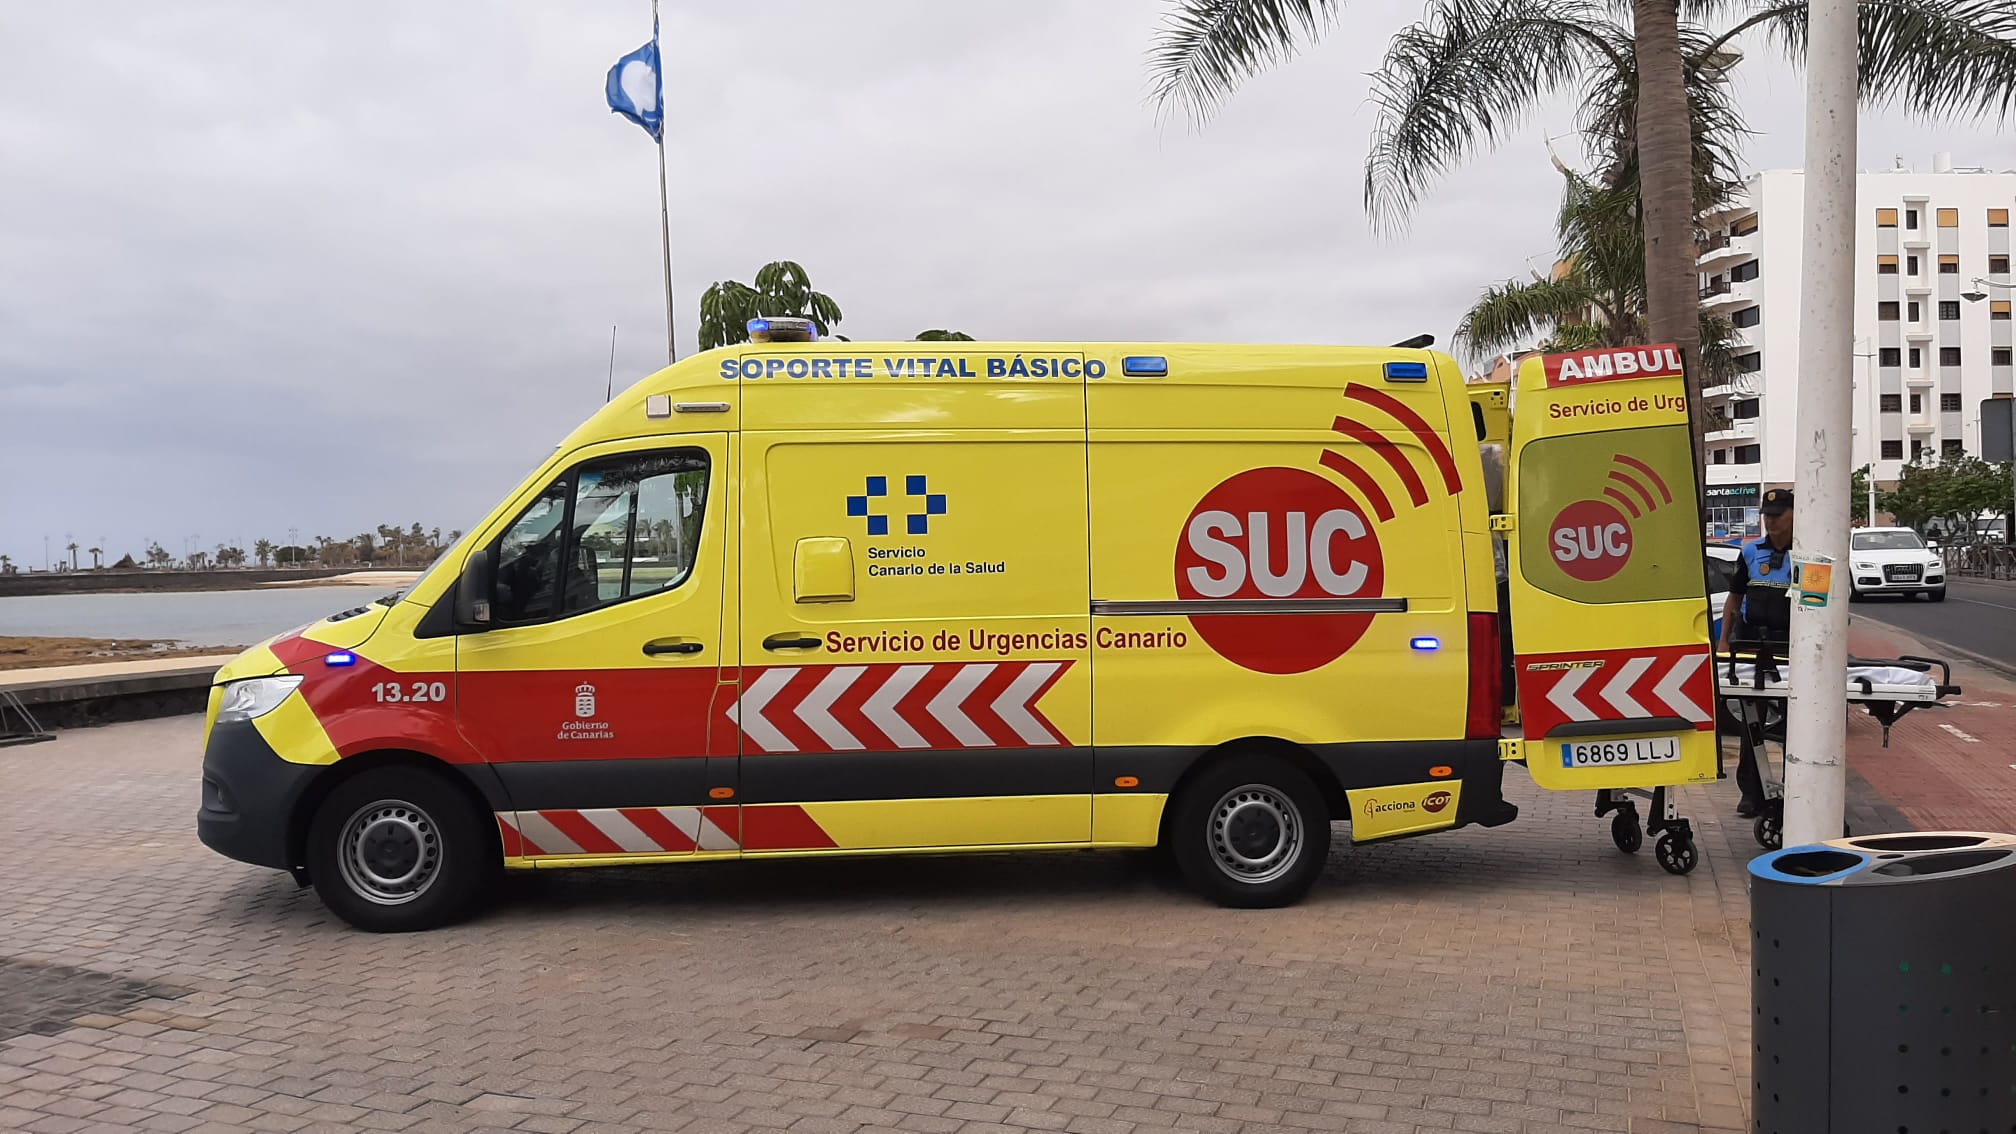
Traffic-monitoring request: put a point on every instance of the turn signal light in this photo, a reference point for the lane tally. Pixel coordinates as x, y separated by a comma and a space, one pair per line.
721, 793
1441, 771
1127, 781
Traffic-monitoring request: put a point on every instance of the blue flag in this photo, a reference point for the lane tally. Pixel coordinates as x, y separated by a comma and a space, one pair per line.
637, 89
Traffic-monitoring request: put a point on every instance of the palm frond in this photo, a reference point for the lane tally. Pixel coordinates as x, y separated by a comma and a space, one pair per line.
1936, 58
1609, 119
1205, 47
1512, 312
1463, 78
1719, 348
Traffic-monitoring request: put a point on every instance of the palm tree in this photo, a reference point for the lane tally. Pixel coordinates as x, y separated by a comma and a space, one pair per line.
1595, 296
782, 288
71, 547
6, 565
97, 557
939, 336
263, 551
1468, 74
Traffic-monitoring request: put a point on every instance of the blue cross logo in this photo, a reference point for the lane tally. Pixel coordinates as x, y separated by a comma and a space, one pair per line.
925, 503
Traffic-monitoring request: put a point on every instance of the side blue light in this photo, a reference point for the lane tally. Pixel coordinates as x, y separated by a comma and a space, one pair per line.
340, 658
1406, 372
758, 326
1150, 365
1425, 643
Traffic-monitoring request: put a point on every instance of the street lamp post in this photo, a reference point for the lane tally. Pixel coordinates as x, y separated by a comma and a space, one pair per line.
1875, 447
1978, 293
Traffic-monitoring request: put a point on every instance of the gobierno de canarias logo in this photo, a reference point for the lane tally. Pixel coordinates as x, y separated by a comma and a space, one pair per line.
1591, 539
1278, 534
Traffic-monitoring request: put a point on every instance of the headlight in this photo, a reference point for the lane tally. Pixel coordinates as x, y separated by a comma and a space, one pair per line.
255, 697
1865, 566
1936, 565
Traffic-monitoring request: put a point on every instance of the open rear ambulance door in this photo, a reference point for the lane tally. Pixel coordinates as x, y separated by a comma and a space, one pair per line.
1612, 663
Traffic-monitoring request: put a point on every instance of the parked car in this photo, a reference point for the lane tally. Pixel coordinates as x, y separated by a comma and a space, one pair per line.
1721, 567
1894, 561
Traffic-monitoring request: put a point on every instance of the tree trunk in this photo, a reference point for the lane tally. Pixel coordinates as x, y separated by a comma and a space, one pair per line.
1666, 193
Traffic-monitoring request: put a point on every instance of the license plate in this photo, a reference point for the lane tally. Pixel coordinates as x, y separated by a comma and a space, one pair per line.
1901, 573
1620, 753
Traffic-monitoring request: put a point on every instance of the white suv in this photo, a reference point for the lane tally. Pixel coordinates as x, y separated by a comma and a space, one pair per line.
1894, 561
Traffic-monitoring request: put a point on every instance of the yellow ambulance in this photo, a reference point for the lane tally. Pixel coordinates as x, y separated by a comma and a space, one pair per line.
799, 597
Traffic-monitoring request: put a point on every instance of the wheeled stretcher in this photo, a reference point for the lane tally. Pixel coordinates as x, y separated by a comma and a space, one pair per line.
1753, 686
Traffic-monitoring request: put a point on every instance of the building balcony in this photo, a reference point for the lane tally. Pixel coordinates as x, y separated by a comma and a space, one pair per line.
1918, 331
1713, 392
1719, 250
1736, 474
1920, 378
1722, 293
1744, 430
1922, 423
1917, 285
1916, 238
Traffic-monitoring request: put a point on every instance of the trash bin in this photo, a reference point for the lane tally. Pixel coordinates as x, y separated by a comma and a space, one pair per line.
1884, 985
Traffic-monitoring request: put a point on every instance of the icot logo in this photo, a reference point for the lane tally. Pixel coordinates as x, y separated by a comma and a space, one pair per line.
1279, 534
1436, 801
1591, 539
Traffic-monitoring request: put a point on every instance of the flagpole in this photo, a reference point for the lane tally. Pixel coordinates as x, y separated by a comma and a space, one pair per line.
664, 207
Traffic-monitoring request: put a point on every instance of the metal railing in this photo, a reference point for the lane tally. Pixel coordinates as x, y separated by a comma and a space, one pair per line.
1980, 560
1715, 243
1719, 287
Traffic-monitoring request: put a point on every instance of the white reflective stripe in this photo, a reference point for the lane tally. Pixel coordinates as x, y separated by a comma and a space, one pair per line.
946, 706
1673, 689
544, 835
1562, 696
816, 710
621, 831
881, 708
710, 837
1618, 690
747, 711
1013, 704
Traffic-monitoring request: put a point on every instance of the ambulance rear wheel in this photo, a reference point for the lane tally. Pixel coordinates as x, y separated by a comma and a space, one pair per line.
1251, 832
396, 849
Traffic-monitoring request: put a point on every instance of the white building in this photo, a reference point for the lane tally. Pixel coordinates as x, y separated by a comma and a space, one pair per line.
1921, 242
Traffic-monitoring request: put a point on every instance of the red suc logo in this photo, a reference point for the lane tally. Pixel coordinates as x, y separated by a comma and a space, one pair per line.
1279, 534
1591, 540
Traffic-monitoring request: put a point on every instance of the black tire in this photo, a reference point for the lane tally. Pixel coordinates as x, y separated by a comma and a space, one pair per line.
1627, 832
404, 823
1676, 853
1854, 593
1251, 832
1767, 831
1936, 594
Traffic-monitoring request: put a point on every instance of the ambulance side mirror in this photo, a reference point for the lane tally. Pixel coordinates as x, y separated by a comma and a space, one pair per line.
473, 592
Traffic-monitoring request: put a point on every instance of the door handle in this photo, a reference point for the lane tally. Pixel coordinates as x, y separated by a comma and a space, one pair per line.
672, 646
790, 642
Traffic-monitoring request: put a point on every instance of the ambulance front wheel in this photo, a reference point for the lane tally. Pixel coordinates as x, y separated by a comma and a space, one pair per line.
1251, 832
397, 849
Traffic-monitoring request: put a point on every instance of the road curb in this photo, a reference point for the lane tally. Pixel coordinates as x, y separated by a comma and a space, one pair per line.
2002, 668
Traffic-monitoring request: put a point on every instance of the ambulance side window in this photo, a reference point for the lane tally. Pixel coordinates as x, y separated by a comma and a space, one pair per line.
636, 526
528, 558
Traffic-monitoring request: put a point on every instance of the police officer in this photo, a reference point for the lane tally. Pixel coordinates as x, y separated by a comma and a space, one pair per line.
1758, 615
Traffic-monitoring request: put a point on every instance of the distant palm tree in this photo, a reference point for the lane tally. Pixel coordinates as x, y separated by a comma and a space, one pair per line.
782, 288
936, 336
6, 565
1471, 71
262, 550
71, 547
97, 558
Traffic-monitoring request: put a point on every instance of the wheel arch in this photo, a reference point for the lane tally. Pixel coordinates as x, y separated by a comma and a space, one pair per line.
350, 767
1298, 755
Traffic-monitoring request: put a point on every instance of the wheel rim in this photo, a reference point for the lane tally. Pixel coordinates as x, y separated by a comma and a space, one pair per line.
389, 852
1256, 834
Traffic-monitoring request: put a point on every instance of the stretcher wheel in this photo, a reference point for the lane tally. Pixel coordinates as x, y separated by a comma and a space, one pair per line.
1676, 853
1768, 830
1626, 832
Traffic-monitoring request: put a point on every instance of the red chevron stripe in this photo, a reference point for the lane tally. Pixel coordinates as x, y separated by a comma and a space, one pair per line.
915, 708
516, 845
1360, 479
847, 709
979, 706
1665, 493
657, 828
728, 819
782, 828
1056, 677
586, 835
1417, 425
1394, 455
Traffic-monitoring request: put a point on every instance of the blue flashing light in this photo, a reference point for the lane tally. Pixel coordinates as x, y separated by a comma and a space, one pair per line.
1406, 372
1425, 644
1144, 365
758, 326
340, 658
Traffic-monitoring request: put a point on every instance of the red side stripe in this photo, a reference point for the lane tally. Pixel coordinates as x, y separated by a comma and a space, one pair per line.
1620, 498
728, 819
782, 828
1035, 703
586, 835
1415, 424
1665, 493
657, 828
1360, 479
1373, 439
979, 705
515, 842
1640, 489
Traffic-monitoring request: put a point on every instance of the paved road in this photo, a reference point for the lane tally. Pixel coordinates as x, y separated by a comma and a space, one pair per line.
1978, 615
1528, 978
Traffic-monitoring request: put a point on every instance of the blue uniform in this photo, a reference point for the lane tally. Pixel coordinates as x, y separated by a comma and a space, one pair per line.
1763, 576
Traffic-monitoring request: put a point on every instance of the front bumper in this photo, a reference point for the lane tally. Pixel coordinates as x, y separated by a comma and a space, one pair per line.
1878, 581
249, 796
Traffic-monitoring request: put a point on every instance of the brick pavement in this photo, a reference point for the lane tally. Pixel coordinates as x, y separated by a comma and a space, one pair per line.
1952, 768
1528, 978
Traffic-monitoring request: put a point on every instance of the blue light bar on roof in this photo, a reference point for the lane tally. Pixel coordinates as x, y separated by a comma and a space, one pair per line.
1406, 372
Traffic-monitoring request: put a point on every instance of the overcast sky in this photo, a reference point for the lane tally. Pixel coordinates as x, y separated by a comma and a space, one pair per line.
269, 266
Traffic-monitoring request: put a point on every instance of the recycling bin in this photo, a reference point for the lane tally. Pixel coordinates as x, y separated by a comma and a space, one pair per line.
1884, 985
